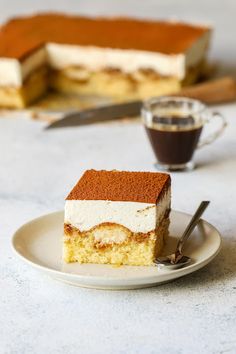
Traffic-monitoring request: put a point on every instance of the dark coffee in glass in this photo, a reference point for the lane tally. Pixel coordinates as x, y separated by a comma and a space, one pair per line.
174, 146
174, 126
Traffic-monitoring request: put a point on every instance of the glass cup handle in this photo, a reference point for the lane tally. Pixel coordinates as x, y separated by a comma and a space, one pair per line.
212, 137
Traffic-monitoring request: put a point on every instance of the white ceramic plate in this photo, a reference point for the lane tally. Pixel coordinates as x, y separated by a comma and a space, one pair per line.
39, 243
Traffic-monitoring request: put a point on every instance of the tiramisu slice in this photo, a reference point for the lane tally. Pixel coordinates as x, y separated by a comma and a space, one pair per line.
118, 57
114, 217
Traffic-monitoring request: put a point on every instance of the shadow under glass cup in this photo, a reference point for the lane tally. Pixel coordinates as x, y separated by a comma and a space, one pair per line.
174, 126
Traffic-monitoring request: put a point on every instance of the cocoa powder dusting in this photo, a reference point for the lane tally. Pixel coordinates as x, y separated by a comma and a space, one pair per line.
30, 33
143, 187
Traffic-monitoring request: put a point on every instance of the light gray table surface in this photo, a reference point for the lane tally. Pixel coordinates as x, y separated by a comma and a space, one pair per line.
195, 314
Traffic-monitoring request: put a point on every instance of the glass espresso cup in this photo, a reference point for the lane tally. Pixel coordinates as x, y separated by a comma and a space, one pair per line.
174, 126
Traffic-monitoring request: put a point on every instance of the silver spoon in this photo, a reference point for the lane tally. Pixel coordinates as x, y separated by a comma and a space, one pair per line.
177, 259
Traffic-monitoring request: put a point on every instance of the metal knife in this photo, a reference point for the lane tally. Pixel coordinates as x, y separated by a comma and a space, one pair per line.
98, 114
211, 92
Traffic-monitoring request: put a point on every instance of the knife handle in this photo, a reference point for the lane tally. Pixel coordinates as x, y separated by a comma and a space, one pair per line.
212, 92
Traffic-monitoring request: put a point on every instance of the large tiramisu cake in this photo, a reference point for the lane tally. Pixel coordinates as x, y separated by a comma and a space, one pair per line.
118, 57
114, 217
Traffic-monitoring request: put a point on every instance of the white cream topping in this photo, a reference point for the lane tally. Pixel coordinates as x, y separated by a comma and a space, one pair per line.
10, 72
137, 217
128, 61
61, 56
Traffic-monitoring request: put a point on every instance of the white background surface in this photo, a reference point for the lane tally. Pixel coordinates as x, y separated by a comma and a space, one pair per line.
196, 314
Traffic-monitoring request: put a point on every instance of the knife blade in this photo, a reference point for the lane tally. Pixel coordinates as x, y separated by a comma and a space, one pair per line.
98, 114
216, 91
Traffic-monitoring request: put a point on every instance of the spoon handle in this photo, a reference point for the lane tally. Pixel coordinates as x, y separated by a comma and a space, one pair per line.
200, 210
